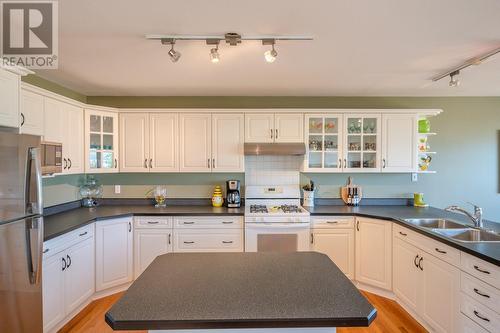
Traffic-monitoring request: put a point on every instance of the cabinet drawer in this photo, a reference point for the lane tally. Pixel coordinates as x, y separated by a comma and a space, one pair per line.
191, 222
469, 326
481, 269
208, 240
429, 245
153, 222
480, 291
479, 313
328, 222
61, 243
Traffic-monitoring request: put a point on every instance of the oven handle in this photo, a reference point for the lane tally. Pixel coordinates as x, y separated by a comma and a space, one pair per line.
291, 225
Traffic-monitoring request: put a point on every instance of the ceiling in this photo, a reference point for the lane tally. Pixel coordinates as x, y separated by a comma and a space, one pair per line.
360, 47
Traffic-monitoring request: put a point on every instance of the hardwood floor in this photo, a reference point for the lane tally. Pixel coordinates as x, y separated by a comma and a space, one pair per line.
390, 318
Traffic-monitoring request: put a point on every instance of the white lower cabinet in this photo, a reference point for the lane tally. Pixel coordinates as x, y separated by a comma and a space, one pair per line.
68, 275
425, 284
374, 252
114, 253
334, 236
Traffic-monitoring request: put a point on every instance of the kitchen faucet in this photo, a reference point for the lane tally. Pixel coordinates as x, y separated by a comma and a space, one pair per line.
477, 218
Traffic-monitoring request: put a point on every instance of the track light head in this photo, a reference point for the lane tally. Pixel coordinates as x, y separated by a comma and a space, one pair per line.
214, 55
454, 81
270, 55
173, 54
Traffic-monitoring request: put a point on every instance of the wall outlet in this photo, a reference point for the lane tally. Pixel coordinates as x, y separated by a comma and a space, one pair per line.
414, 177
118, 189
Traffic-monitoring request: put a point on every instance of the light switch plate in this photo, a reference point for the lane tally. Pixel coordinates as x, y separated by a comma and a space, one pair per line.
118, 189
414, 177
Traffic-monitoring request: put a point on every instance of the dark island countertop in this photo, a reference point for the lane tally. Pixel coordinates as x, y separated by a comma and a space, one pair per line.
61, 223
489, 251
240, 290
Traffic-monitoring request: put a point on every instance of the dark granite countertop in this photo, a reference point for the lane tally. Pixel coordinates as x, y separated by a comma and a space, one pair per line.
486, 251
61, 223
240, 290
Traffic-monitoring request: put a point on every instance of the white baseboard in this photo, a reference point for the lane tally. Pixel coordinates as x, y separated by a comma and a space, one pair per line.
108, 292
375, 290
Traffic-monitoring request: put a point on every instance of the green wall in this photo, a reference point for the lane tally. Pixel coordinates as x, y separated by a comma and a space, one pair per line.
468, 146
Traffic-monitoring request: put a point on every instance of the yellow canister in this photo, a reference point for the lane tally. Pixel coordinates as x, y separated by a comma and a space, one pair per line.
217, 199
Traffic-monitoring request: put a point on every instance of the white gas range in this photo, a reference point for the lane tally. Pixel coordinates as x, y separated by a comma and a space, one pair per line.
274, 219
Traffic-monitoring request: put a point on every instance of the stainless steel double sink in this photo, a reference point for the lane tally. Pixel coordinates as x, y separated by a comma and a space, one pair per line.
457, 231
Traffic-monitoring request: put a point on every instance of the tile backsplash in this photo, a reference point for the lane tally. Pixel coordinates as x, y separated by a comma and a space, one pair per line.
272, 170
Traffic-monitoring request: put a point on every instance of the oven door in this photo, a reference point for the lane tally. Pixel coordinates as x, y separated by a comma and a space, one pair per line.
276, 237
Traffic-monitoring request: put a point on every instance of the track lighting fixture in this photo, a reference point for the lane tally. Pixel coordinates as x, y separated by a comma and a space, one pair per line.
471, 62
454, 81
270, 55
231, 38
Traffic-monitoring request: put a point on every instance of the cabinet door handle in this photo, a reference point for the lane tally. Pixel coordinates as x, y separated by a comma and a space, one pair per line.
271, 133
188, 242
213, 163
64, 264
22, 119
151, 163
345, 163
481, 270
312, 238
208, 163
187, 222
480, 293
332, 222
70, 163
227, 222
481, 317
403, 234
227, 242
146, 163
69, 260
153, 222
116, 163
440, 251
46, 250
420, 264
65, 163
129, 227
415, 261
383, 163
83, 234
357, 225
276, 136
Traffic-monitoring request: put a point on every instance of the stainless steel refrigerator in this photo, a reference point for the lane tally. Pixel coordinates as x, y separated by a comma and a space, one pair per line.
21, 233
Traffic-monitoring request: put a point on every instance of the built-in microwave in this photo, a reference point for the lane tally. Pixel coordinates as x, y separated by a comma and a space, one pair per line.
51, 158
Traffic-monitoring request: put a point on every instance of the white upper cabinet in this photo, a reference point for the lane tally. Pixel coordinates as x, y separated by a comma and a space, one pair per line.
101, 141
31, 113
362, 143
227, 143
73, 139
399, 147
373, 252
134, 142
9, 98
53, 121
288, 127
270, 127
259, 127
324, 138
163, 142
195, 142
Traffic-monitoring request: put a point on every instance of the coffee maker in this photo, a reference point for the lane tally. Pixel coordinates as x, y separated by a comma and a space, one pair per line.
233, 198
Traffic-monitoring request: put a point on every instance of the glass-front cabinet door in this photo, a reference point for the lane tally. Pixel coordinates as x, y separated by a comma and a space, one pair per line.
362, 143
101, 141
323, 136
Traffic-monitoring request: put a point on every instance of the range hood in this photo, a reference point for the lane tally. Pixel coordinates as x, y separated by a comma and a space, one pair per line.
294, 148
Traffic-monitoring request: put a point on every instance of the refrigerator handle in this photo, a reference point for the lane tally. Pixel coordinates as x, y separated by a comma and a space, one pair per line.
34, 162
34, 257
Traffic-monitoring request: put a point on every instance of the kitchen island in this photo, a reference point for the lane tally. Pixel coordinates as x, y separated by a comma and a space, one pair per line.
264, 292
